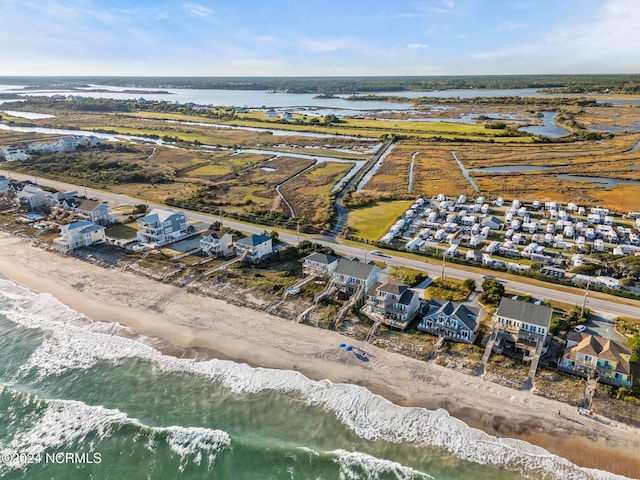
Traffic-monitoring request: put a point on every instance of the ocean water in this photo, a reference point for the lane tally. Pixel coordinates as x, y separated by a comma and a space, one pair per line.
85, 400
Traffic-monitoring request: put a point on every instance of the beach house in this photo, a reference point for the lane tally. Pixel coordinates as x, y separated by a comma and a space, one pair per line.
521, 328
393, 304
254, 247
161, 226
588, 355
217, 244
349, 275
32, 197
90, 208
451, 320
320, 265
78, 234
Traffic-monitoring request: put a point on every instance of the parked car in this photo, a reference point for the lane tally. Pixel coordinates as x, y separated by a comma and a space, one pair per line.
580, 328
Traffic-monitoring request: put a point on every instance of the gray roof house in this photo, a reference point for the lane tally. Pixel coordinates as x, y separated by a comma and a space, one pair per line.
350, 274
521, 328
393, 304
162, 226
320, 265
452, 320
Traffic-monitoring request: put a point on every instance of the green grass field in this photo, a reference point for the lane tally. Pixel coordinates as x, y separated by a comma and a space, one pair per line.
357, 127
373, 221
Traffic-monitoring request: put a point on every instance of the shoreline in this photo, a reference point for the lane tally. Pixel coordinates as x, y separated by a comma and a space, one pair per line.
184, 324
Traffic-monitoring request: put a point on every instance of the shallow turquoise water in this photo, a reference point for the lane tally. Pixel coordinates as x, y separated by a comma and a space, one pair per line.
78, 402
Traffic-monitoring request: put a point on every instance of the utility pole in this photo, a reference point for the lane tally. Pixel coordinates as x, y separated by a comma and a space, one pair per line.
444, 253
584, 302
365, 251
298, 230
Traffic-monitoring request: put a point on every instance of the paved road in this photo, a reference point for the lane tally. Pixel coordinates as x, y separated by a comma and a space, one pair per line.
610, 308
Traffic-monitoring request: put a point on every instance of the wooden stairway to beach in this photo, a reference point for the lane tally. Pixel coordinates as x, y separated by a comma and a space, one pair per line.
318, 297
345, 308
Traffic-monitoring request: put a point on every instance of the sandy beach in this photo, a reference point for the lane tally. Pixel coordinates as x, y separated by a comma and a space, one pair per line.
214, 328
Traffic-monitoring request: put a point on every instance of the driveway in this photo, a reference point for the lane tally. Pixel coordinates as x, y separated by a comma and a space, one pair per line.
603, 326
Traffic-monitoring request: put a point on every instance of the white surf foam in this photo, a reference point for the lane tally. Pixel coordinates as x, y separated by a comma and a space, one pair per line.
358, 465
68, 422
71, 345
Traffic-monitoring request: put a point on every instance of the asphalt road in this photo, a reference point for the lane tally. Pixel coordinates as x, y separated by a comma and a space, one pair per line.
609, 308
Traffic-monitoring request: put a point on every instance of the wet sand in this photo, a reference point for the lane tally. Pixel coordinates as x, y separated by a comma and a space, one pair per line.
201, 327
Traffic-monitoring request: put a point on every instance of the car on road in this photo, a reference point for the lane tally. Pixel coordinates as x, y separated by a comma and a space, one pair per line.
579, 328
378, 253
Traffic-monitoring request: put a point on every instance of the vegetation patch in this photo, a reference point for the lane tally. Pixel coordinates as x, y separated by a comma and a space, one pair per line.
449, 289
371, 222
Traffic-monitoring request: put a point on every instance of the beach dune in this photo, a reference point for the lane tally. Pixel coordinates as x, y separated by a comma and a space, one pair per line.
208, 327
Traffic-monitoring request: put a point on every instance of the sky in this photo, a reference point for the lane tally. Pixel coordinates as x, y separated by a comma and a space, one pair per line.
318, 37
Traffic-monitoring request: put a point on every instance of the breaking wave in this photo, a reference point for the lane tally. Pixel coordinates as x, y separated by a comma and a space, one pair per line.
74, 343
63, 423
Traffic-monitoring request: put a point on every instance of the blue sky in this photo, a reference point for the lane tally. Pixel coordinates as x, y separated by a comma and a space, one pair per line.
318, 37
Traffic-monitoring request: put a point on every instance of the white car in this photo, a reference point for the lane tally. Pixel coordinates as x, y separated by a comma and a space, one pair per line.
378, 253
579, 328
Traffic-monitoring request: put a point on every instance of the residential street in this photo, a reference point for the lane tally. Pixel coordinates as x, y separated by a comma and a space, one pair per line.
611, 308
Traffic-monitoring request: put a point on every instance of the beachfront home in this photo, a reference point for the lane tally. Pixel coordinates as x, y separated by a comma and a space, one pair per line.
161, 226
320, 265
254, 248
452, 320
32, 197
349, 275
216, 244
78, 234
588, 355
522, 327
94, 210
393, 304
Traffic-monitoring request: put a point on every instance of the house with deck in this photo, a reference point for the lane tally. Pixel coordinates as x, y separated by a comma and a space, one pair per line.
588, 355
521, 328
92, 209
350, 276
451, 320
78, 234
162, 226
217, 244
392, 304
319, 265
32, 197
254, 248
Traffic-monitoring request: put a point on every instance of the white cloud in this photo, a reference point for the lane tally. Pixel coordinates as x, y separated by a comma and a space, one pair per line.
615, 31
414, 46
608, 42
198, 10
